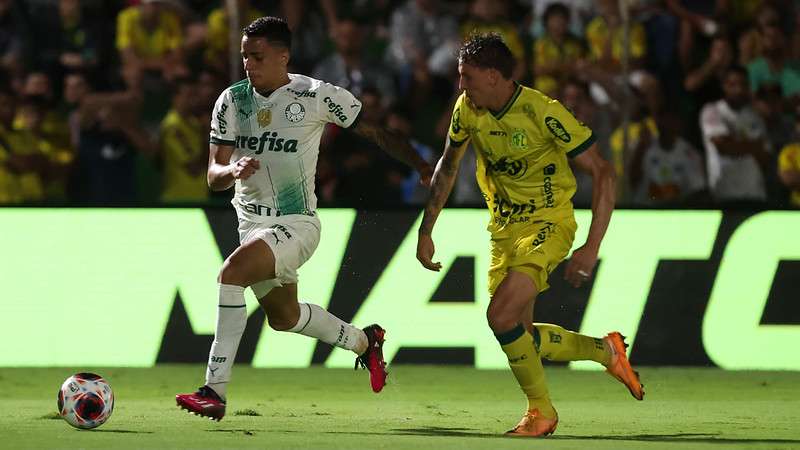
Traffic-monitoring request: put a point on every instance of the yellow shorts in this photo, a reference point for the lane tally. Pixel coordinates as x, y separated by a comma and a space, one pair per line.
535, 250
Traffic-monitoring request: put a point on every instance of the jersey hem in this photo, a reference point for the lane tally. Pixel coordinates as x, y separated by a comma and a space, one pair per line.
583, 147
219, 141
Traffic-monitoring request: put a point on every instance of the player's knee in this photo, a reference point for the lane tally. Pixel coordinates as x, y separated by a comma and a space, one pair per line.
500, 319
231, 273
281, 323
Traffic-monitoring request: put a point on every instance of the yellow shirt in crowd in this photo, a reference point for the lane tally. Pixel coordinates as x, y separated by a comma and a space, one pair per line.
167, 35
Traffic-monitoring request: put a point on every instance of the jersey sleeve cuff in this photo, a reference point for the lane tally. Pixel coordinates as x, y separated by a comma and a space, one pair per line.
355, 121
583, 147
218, 141
456, 143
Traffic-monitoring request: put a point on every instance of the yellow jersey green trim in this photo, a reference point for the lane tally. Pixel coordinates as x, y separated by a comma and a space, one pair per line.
583, 147
499, 115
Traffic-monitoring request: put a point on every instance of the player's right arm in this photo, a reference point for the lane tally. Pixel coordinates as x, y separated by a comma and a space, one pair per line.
444, 177
222, 173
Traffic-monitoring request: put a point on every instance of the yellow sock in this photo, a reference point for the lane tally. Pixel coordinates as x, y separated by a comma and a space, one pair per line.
557, 344
527, 367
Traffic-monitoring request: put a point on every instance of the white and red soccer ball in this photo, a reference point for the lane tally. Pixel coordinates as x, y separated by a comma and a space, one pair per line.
85, 400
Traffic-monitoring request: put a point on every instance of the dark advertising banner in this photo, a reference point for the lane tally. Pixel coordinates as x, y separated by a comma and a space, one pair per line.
135, 287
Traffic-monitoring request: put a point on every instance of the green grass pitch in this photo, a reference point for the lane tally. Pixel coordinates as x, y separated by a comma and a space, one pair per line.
422, 407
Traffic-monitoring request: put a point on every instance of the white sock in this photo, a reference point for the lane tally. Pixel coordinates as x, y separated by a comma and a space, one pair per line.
319, 323
231, 320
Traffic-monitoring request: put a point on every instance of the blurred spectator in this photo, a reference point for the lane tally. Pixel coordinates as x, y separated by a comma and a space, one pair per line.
53, 125
580, 13
72, 41
705, 81
23, 166
556, 51
349, 66
399, 119
775, 65
575, 97
665, 170
751, 42
605, 36
110, 138
735, 142
149, 38
32, 114
13, 39
423, 39
363, 175
769, 104
640, 120
217, 39
184, 156
789, 165
697, 19
76, 87
309, 34
487, 16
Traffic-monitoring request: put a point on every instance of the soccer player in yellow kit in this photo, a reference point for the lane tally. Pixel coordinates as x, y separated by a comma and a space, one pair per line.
522, 140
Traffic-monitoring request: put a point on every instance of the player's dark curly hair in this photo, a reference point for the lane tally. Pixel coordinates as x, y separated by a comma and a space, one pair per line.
274, 29
487, 51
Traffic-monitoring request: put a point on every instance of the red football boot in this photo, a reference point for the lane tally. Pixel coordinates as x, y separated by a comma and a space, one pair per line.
205, 402
372, 359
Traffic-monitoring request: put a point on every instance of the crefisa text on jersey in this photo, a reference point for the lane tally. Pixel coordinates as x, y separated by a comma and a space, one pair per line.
269, 140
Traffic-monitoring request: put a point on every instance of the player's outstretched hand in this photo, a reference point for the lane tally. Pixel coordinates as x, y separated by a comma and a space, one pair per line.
245, 167
425, 250
580, 266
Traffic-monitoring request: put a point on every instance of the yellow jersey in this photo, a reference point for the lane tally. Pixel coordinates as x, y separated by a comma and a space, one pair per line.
789, 159
546, 51
182, 145
166, 37
598, 33
521, 153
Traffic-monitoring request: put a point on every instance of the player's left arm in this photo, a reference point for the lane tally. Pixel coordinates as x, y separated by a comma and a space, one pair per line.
584, 259
395, 145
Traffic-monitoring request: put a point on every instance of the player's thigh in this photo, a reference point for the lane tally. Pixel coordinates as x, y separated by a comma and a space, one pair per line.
281, 306
291, 241
250, 263
541, 249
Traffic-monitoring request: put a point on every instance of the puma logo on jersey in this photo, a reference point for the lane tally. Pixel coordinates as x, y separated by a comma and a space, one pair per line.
269, 141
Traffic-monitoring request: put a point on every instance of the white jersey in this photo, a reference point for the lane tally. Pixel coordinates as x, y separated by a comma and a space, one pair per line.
732, 177
282, 131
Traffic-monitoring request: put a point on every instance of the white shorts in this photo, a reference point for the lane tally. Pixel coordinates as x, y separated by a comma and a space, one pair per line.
292, 238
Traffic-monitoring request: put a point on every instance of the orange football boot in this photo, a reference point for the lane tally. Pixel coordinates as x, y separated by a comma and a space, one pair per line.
620, 368
534, 425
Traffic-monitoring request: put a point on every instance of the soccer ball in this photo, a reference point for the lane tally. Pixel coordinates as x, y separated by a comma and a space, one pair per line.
85, 400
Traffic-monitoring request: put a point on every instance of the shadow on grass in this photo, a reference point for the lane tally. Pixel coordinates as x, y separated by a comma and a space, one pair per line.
236, 430
702, 438
698, 438
106, 430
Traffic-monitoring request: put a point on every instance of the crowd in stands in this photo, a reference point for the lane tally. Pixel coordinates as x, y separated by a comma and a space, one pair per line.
696, 103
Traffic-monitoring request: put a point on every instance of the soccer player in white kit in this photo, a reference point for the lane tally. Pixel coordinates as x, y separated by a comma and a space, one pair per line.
265, 134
